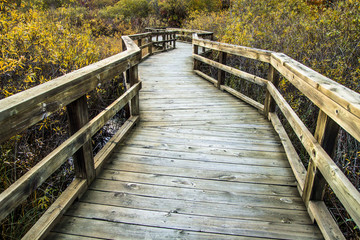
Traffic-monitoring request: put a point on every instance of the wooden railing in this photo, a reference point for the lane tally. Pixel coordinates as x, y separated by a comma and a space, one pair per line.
164, 39
186, 34
339, 107
25, 109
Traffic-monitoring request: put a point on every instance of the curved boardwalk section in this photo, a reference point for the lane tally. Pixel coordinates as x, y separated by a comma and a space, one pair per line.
199, 165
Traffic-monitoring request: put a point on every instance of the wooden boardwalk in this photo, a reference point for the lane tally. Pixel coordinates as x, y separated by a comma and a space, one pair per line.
199, 165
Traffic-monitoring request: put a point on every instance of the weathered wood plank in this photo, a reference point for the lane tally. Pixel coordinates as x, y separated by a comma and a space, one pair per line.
340, 94
236, 211
205, 135
325, 221
343, 105
294, 159
221, 73
106, 151
269, 104
203, 165
116, 230
78, 116
253, 53
261, 145
326, 134
164, 169
236, 72
194, 183
216, 131
195, 223
25, 109
263, 159
243, 97
205, 76
219, 196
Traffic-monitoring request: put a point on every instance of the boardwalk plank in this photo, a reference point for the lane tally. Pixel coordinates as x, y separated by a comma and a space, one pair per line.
216, 174
172, 220
235, 211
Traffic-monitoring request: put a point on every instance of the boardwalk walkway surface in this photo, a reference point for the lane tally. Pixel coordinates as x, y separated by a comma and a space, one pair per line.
199, 165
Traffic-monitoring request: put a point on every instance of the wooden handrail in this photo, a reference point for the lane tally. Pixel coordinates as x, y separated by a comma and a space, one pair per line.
337, 104
25, 109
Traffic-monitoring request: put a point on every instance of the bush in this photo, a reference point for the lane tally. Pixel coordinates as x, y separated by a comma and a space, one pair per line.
128, 9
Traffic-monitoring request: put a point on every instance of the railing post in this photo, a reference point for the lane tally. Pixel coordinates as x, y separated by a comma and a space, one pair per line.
221, 73
164, 43
326, 134
174, 40
139, 45
196, 51
134, 78
78, 116
150, 48
269, 105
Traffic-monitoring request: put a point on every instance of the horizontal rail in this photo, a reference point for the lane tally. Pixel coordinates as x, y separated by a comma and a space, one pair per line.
241, 96
163, 32
252, 53
165, 41
140, 36
105, 152
58, 208
190, 31
236, 72
294, 159
346, 112
207, 77
339, 103
25, 109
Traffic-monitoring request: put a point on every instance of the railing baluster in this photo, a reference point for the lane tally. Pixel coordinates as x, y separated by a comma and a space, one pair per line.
134, 105
326, 134
78, 116
174, 37
150, 48
221, 73
164, 43
269, 104
139, 45
196, 51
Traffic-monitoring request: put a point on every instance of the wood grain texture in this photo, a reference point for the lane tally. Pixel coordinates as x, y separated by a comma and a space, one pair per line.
253, 53
56, 210
342, 104
201, 164
78, 116
234, 71
294, 159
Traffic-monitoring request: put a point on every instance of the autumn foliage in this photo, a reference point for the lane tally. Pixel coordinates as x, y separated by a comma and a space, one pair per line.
43, 39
